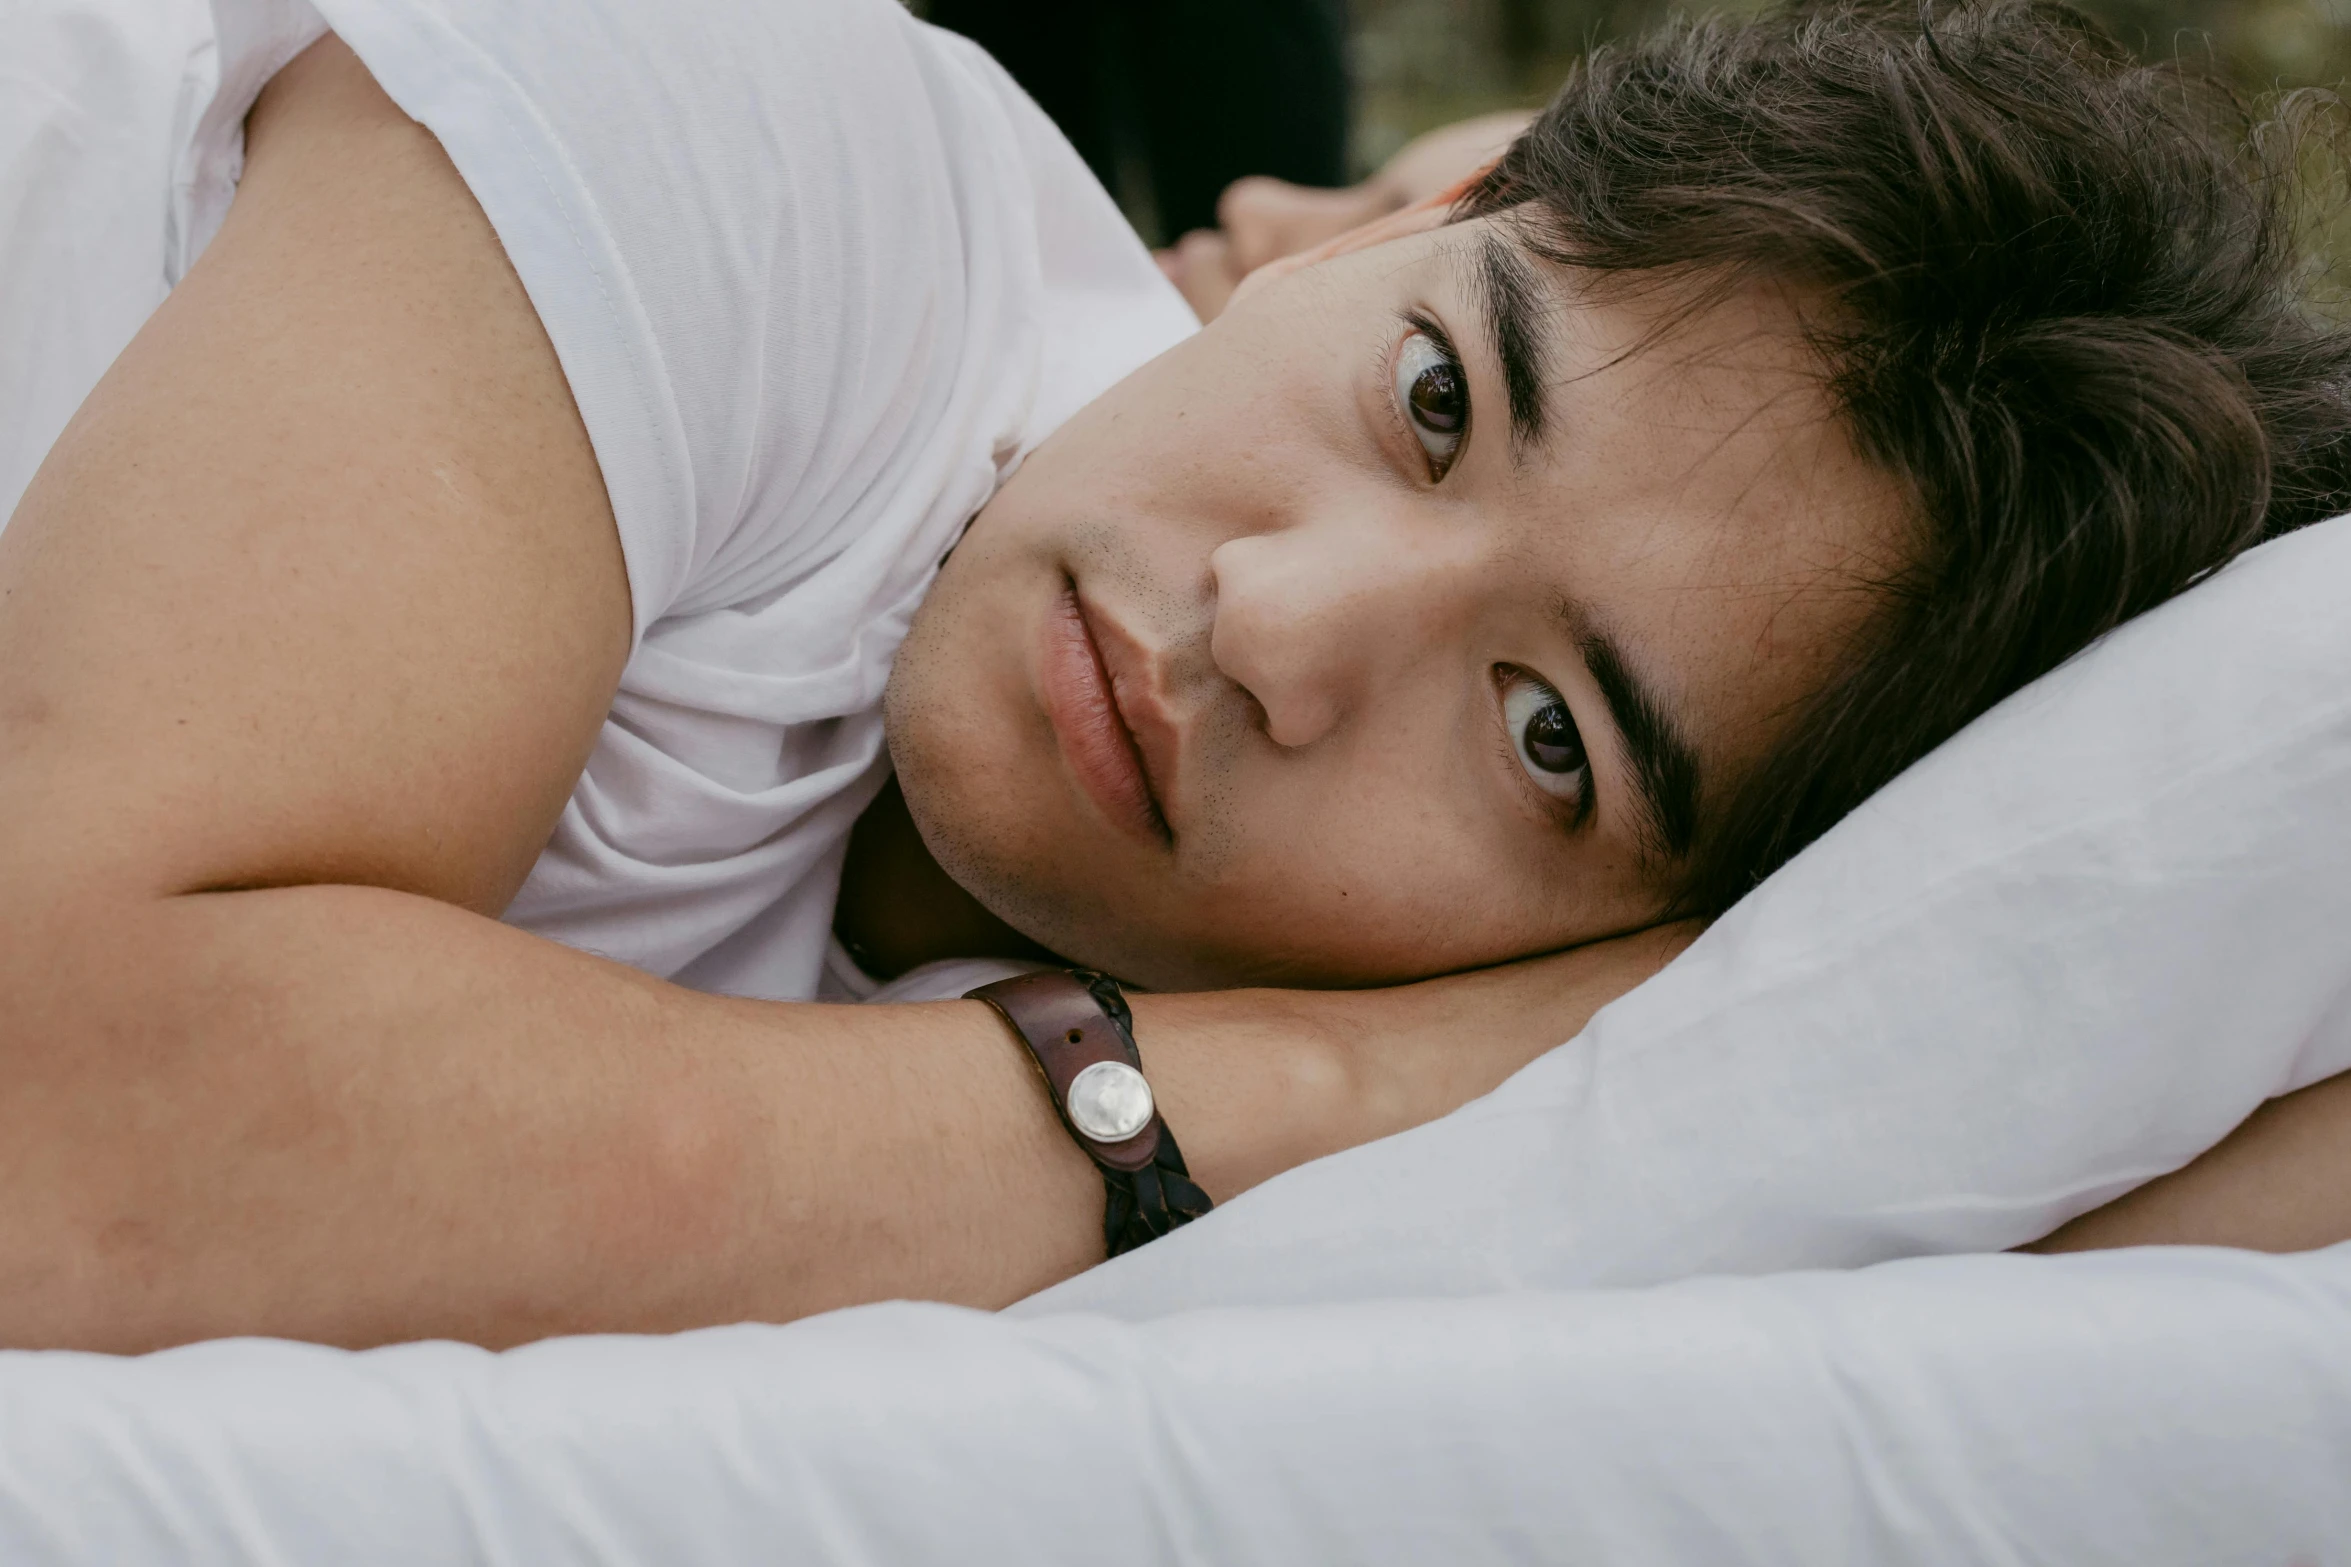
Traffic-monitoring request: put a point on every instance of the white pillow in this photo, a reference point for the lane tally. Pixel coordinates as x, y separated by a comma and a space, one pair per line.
2167, 1407
2062, 955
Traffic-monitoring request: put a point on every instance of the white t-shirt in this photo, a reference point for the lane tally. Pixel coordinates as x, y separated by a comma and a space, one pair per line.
818, 275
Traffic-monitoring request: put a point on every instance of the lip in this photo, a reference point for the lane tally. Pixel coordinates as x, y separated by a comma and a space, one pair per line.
1082, 693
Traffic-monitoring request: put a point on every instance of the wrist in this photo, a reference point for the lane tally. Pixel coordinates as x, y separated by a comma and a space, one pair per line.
1259, 1081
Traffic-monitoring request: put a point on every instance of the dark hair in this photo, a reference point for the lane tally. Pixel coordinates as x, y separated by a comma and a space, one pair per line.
2060, 297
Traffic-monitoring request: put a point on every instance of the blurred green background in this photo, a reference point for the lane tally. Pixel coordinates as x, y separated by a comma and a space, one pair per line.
1421, 63
1170, 100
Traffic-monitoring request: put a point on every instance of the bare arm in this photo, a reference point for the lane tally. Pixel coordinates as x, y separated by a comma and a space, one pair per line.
305, 631
2280, 1182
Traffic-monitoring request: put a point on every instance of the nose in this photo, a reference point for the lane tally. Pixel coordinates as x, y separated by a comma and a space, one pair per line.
1313, 621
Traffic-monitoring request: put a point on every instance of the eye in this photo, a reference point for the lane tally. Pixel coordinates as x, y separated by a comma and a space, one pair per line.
1544, 734
1434, 395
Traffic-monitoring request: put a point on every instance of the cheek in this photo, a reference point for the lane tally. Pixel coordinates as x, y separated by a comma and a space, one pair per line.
964, 738
1345, 876
1263, 375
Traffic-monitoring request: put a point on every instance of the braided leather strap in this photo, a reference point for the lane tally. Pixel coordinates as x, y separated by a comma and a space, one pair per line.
1072, 1019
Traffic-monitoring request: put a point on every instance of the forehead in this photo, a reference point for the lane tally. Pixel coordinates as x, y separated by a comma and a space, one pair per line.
1693, 487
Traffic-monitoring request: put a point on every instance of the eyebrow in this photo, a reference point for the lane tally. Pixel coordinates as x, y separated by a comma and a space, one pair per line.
1517, 329
1665, 769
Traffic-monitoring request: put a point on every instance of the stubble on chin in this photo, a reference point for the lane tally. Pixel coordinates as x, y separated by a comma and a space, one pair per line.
979, 766
963, 769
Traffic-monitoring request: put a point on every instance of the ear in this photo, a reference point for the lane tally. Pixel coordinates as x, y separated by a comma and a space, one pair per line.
1431, 213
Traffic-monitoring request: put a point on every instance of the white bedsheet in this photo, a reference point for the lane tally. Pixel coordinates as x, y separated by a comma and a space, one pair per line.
2145, 1408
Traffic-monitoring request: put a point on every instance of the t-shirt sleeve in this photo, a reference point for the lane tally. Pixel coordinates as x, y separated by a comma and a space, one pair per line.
765, 255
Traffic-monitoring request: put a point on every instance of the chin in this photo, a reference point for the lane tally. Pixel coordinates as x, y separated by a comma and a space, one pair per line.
963, 778
1013, 866
979, 770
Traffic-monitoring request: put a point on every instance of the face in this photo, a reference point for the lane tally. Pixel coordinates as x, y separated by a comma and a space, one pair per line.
1409, 618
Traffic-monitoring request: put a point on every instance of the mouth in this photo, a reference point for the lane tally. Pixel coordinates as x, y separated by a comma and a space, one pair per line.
1081, 702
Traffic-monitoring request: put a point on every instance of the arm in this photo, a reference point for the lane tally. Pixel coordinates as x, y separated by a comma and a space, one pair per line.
1262, 219
306, 629
2280, 1182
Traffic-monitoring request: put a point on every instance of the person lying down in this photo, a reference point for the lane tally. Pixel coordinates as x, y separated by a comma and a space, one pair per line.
720, 515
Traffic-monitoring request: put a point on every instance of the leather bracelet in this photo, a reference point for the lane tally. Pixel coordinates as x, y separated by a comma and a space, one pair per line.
1081, 1034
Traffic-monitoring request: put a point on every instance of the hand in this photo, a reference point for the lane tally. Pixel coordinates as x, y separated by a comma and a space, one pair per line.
1262, 1080
1262, 219
1468, 1033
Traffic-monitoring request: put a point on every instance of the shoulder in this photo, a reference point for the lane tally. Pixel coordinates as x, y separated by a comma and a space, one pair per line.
780, 249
